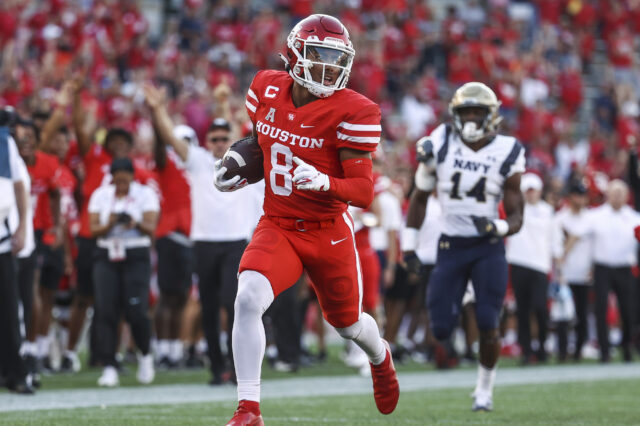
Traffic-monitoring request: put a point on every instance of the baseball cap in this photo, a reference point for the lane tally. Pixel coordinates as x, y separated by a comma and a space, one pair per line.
530, 181
220, 123
122, 164
185, 132
577, 187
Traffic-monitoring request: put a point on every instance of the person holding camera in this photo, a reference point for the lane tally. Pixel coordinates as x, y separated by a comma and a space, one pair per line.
123, 217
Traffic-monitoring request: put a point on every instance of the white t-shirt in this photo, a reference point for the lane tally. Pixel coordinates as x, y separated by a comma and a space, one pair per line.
216, 215
140, 199
577, 264
536, 242
390, 220
614, 242
9, 174
429, 233
29, 241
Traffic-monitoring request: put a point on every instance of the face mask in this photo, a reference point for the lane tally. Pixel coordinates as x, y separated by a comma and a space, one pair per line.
471, 133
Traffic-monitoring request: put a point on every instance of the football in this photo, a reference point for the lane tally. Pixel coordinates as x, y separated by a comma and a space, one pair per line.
244, 158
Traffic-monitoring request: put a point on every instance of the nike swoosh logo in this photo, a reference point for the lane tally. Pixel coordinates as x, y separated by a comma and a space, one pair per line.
305, 127
333, 243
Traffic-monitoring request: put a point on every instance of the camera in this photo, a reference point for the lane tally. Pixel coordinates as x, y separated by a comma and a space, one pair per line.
123, 218
8, 116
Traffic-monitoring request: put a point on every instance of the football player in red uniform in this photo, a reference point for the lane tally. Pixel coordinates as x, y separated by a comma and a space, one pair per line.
316, 137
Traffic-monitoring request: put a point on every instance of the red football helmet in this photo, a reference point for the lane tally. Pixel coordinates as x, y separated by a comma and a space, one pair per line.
320, 41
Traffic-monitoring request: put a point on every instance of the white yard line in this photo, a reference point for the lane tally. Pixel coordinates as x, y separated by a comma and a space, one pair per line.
308, 386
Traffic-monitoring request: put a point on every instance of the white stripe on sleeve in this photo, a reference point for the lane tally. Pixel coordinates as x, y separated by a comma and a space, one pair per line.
251, 107
252, 95
359, 139
361, 127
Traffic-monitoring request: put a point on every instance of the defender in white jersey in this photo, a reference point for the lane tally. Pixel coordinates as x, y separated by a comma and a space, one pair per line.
473, 169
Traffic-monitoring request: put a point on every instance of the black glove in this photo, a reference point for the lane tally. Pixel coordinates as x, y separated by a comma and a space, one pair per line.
424, 150
412, 262
484, 226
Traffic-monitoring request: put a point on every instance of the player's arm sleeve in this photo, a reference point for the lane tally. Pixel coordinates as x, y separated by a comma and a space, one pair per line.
252, 100
356, 188
361, 129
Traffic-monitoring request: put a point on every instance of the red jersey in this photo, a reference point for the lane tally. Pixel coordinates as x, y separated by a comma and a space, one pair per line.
175, 201
97, 165
313, 132
44, 174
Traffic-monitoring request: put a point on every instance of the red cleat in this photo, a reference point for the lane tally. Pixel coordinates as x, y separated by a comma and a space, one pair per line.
386, 389
246, 415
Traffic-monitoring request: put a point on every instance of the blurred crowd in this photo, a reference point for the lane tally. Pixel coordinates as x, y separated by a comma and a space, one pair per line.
565, 71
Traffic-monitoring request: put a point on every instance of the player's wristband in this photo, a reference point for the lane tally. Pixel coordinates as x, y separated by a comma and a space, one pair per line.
409, 239
502, 227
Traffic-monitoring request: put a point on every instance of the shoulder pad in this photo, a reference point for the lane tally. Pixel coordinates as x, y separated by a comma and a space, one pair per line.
424, 149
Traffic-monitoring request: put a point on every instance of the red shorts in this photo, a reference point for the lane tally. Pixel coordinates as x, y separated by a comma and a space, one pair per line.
370, 264
328, 255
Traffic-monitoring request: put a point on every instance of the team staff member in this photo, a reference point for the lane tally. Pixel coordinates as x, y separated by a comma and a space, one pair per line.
12, 367
123, 217
25, 271
614, 253
221, 225
576, 253
530, 255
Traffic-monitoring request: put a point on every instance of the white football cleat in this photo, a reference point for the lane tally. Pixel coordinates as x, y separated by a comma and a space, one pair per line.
109, 377
146, 371
482, 401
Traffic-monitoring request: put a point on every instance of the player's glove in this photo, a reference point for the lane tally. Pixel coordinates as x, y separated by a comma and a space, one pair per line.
307, 177
486, 226
226, 185
412, 263
424, 150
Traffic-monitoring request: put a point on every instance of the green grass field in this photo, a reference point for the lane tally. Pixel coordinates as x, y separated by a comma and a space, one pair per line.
603, 402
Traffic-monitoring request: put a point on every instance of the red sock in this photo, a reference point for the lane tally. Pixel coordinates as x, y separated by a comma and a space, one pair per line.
252, 406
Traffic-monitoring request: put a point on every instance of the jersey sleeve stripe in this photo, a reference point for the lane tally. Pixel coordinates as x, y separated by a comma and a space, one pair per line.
358, 139
361, 127
252, 95
249, 106
511, 158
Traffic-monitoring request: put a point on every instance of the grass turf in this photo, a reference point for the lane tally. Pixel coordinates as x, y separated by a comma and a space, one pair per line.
603, 402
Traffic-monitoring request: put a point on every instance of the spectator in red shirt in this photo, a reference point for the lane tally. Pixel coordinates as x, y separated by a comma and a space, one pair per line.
570, 81
45, 194
175, 255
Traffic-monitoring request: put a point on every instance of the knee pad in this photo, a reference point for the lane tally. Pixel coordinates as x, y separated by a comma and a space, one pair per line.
487, 317
351, 332
254, 293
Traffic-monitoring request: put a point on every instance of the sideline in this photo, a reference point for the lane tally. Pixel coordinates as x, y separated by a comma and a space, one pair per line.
307, 386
